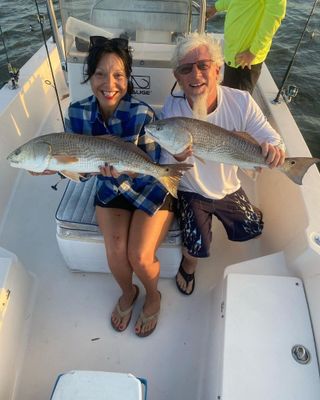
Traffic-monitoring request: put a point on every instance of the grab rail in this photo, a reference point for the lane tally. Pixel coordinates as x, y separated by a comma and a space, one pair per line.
202, 19
202, 11
55, 34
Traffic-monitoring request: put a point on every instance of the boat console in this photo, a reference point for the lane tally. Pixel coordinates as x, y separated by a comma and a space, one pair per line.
151, 28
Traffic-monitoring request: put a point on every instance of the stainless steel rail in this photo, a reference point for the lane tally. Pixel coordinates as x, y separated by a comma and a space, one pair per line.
55, 33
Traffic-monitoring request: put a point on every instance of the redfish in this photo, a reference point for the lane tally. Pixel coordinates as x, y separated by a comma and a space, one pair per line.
73, 155
211, 142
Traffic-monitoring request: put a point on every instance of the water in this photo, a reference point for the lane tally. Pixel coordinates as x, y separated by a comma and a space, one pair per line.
22, 35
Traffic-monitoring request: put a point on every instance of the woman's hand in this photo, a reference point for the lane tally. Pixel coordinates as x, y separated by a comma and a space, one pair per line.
109, 170
274, 155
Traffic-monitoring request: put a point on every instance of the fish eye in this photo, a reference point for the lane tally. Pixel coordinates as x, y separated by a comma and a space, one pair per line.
158, 128
17, 152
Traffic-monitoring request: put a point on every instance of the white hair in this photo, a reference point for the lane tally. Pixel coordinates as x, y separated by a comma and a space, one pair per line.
191, 41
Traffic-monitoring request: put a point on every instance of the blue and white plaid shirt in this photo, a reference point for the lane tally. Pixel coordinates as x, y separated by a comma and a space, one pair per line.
128, 121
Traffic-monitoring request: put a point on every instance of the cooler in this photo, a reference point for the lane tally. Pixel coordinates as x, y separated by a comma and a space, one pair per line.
99, 385
81, 242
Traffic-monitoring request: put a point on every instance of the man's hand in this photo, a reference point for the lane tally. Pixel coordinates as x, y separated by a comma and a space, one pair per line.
244, 59
274, 155
211, 11
184, 154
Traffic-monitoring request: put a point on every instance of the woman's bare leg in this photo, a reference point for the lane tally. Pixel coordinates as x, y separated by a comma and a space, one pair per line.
114, 224
146, 235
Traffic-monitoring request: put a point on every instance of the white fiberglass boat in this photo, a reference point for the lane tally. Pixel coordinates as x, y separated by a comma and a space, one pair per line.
251, 329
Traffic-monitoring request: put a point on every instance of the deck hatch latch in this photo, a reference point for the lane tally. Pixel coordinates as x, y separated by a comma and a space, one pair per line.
301, 354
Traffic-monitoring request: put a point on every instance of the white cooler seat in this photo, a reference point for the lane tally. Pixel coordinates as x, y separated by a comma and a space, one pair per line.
98, 385
81, 242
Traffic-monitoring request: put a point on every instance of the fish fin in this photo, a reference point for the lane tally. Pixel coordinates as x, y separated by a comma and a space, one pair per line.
73, 176
65, 159
199, 158
129, 145
171, 183
246, 136
173, 174
252, 173
296, 167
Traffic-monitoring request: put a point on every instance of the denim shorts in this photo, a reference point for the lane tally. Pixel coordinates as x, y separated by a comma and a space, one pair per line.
241, 220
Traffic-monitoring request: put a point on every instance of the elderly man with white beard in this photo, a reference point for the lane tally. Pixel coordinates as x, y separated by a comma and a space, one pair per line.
212, 188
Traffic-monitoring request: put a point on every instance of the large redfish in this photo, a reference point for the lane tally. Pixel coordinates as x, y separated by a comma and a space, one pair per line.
211, 142
73, 155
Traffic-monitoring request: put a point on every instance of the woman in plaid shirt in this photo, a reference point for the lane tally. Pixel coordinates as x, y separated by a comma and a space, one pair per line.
133, 212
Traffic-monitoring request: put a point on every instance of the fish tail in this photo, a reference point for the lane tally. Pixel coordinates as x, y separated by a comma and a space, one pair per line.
171, 176
171, 183
296, 167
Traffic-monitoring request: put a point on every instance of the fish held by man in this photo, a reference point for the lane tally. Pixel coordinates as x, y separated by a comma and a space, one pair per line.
211, 142
74, 155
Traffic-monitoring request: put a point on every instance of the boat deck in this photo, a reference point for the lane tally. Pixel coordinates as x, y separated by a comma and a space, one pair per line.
70, 322
69, 318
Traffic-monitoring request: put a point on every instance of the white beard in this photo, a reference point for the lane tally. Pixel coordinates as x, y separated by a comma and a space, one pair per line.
200, 106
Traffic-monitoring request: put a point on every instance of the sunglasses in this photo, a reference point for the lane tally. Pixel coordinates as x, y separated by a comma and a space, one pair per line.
101, 41
202, 65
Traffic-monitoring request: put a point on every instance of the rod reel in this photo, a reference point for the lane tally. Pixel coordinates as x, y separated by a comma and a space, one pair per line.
289, 93
13, 71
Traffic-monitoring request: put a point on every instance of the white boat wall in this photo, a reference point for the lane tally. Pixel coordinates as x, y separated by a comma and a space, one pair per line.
250, 330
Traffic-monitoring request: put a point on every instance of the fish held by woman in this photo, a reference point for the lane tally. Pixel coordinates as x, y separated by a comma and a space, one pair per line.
211, 142
73, 155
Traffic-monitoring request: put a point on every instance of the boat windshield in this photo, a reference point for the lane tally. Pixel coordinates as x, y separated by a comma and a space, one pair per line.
141, 21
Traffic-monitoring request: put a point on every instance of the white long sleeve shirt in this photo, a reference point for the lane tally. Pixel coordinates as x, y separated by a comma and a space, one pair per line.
236, 111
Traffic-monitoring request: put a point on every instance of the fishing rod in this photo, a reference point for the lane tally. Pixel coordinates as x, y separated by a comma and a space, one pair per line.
13, 71
40, 20
294, 89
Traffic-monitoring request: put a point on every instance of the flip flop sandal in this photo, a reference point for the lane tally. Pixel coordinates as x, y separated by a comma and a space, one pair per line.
144, 320
124, 313
188, 278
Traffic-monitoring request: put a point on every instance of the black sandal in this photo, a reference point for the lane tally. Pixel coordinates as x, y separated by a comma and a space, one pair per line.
187, 277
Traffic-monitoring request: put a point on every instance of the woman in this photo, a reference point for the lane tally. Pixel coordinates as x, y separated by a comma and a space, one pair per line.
133, 212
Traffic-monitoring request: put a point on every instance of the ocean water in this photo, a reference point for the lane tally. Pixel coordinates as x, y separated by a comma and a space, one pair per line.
22, 37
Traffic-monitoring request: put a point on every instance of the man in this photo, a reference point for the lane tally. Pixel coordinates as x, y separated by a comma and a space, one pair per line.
248, 32
212, 188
